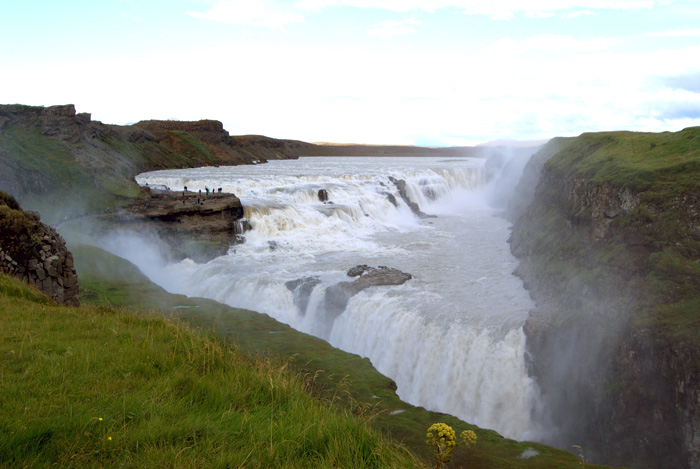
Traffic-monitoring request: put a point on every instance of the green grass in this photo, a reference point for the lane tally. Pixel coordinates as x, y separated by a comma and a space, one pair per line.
66, 180
29, 152
637, 160
98, 386
192, 148
56, 184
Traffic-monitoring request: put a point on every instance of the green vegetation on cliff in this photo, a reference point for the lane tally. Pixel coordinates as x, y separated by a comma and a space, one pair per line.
62, 164
641, 206
657, 162
610, 249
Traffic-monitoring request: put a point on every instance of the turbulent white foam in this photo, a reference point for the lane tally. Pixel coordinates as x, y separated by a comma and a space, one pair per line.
451, 338
454, 368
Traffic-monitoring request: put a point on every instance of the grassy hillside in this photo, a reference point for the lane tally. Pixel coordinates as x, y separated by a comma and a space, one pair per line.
64, 165
610, 248
657, 162
655, 245
98, 386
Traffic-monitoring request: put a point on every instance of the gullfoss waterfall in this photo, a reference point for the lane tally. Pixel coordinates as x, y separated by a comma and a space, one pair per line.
451, 337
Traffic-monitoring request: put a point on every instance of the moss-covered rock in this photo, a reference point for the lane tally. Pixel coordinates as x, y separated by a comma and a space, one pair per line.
36, 253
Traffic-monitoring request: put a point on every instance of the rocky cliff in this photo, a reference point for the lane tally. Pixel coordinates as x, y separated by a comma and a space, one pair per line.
609, 245
64, 164
197, 226
35, 253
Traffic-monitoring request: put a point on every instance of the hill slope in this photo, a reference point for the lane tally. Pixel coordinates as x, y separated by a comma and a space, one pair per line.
95, 386
63, 164
610, 249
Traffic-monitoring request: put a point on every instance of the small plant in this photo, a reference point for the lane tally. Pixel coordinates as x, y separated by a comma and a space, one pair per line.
442, 437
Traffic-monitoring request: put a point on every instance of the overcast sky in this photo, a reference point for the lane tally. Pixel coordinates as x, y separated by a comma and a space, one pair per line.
425, 72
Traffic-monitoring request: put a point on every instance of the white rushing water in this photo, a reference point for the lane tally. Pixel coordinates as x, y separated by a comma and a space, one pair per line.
451, 338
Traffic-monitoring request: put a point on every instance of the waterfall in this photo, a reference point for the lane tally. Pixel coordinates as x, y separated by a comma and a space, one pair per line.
451, 338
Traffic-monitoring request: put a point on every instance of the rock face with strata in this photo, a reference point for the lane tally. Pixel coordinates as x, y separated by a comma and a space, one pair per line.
36, 253
195, 225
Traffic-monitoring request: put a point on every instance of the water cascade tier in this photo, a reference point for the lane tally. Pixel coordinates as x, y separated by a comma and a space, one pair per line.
450, 335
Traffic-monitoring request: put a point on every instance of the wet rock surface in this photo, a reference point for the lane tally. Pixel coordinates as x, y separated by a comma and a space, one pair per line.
338, 295
302, 289
185, 217
401, 186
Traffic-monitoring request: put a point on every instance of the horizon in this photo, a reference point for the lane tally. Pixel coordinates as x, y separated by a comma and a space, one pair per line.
380, 72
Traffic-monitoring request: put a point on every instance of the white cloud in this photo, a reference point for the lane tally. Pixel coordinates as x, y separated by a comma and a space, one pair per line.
507, 48
576, 14
277, 13
677, 33
505, 9
501, 9
391, 5
540, 14
390, 28
266, 13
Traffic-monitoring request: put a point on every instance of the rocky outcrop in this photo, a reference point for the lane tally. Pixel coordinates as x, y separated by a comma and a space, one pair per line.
36, 254
401, 186
209, 131
60, 122
612, 258
185, 217
338, 295
302, 288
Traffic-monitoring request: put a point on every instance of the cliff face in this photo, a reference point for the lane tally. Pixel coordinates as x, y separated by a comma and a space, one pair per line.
64, 164
610, 250
224, 148
35, 253
195, 226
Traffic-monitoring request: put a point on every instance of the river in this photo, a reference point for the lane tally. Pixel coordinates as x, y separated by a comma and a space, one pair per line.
451, 337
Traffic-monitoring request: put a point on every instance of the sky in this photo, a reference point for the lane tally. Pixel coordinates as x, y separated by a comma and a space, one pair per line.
411, 72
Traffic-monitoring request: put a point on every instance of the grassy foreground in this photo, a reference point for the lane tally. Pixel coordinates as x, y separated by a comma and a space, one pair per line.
103, 385
96, 386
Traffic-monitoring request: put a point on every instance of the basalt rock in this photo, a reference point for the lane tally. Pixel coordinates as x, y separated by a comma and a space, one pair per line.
401, 186
302, 289
36, 253
338, 295
182, 218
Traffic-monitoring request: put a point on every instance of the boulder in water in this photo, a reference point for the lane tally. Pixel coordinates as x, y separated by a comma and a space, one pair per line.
302, 288
338, 295
401, 186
